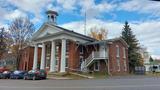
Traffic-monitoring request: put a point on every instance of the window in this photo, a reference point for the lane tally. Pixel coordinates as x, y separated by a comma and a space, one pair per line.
57, 59
81, 60
118, 64
124, 52
81, 49
67, 47
66, 64
96, 66
125, 65
117, 51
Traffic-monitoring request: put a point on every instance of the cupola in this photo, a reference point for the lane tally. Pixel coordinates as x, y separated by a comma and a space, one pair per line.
52, 16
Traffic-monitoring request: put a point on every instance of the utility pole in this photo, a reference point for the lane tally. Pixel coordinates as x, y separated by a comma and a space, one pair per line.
85, 23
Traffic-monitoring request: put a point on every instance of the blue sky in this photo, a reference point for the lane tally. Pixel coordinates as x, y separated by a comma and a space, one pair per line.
142, 15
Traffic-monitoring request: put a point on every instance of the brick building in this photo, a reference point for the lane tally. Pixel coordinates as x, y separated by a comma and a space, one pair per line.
64, 50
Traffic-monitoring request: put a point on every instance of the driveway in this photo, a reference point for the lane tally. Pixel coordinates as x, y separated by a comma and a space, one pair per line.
132, 83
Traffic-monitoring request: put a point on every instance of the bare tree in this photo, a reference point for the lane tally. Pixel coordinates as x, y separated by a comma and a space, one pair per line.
99, 34
4, 41
21, 31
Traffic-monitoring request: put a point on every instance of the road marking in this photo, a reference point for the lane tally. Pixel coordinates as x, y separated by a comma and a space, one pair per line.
117, 86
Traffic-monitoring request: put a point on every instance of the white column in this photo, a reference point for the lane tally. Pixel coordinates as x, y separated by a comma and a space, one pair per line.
43, 57
53, 57
35, 57
63, 55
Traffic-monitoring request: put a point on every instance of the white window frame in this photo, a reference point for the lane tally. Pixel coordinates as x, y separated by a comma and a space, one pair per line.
118, 64
96, 69
124, 52
67, 57
125, 65
117, 51
67, 47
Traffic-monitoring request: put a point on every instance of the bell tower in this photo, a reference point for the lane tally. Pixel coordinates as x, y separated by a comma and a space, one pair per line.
52, 16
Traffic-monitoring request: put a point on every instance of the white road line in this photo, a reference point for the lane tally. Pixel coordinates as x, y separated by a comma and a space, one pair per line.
117, 86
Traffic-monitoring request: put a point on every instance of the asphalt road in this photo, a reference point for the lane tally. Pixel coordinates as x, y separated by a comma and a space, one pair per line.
118, 83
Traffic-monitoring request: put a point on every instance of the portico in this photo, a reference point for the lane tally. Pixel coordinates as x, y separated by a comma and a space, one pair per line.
52, 61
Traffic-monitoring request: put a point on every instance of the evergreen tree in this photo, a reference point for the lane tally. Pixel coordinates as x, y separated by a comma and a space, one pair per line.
150, 59
134, 56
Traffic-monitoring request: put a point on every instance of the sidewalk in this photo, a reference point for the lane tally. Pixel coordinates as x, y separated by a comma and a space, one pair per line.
59, 78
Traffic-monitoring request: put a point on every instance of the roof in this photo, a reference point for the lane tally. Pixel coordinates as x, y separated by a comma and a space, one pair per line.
71, 31
66, 31
52, 12
107, 41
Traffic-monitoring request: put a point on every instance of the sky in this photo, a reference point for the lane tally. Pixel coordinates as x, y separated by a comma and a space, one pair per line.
142, 15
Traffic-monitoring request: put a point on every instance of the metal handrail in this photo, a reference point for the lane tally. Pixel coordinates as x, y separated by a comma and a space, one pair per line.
92, 56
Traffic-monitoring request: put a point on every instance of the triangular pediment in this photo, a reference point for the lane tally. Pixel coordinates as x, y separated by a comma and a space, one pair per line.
45, 30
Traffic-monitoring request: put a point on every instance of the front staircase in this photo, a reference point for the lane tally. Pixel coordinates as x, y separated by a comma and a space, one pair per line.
95, 55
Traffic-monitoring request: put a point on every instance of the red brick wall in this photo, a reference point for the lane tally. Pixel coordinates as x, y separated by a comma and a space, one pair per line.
112, 58
27, 56
73, 59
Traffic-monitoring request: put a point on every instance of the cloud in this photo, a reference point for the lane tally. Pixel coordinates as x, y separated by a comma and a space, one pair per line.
16, 13
156, 56
93, 9
67, 4
141, 6
35, 6
146, 32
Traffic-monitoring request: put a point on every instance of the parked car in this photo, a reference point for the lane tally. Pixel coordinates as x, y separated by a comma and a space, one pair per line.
6, 74
35, 75
17, 74
1, 75
2, 69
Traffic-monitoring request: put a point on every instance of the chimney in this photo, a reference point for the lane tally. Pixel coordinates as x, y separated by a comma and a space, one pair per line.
52, 16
